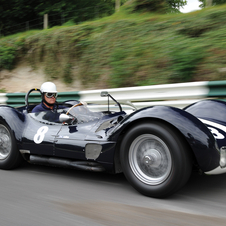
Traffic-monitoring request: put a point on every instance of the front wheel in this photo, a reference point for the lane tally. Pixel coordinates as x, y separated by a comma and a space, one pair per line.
9, 154
154, 159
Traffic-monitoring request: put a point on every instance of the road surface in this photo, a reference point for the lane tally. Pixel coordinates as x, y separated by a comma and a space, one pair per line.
44, 196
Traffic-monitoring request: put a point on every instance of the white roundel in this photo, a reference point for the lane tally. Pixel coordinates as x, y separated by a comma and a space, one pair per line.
40, 135
216, 133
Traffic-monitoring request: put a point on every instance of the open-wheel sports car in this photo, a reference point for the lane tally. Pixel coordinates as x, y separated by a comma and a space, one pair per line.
155, 147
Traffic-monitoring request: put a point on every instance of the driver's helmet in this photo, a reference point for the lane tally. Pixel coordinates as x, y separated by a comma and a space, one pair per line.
49, 88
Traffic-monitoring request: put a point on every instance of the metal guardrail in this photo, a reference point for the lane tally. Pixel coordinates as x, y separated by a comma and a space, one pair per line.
18, 99
217, 89
177, 95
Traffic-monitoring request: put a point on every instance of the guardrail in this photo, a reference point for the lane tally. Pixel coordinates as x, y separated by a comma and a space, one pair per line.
177, 95
18, 99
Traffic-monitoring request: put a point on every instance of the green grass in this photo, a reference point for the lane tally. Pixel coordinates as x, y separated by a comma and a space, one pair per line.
127, 49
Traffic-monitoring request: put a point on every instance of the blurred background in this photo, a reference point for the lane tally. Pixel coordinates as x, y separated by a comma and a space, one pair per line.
191, 5
100, 44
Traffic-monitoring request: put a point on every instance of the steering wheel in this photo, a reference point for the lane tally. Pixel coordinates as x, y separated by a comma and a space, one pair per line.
27, 95
79, 104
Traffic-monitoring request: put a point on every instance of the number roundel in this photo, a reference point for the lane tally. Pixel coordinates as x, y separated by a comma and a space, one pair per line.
216, 133
40, 135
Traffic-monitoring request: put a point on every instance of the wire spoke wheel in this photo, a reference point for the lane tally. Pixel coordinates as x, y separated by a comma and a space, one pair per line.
9, 155
155, 159
150, 159
5, 142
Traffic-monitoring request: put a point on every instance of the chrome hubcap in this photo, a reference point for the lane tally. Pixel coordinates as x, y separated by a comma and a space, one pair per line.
5, 142
150, 159
153, 159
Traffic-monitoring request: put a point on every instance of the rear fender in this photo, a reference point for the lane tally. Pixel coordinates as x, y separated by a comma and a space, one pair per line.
197, 135
14, 119
213, 114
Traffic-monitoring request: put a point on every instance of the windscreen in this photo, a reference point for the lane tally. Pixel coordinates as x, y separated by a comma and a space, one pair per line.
84, 114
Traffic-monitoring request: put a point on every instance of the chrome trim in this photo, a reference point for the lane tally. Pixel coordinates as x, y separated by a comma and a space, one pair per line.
216, 171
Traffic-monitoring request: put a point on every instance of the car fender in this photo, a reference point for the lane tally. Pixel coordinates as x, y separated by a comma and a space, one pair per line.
197, 135
213, 114
14, 119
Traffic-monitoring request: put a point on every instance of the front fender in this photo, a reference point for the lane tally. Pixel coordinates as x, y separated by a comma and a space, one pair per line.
198, 136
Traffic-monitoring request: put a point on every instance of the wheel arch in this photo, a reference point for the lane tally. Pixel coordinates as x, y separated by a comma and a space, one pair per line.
14, 120
188, 127
117, 162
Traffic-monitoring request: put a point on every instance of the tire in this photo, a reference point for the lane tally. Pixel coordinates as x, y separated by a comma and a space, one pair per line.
9, 154
155, 160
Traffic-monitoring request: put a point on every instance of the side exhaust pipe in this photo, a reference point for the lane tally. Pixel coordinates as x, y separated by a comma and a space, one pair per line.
52, 161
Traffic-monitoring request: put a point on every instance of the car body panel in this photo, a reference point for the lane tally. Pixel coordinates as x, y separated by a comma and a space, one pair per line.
213, 114
104, 132
39, 138
195, 132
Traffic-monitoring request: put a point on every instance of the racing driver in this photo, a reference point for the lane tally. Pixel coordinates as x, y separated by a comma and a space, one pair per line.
49, 95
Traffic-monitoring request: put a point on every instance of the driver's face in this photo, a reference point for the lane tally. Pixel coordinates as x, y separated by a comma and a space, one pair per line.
50, 100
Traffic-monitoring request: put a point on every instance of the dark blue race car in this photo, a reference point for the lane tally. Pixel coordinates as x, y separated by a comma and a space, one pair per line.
155, 147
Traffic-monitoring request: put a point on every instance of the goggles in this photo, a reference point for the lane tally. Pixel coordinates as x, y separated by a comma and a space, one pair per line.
50, 95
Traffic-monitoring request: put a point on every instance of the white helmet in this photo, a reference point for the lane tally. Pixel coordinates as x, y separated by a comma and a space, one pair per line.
48, 87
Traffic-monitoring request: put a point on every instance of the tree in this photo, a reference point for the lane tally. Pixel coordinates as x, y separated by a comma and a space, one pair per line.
161, 6
176, 4
206, 3
15, 15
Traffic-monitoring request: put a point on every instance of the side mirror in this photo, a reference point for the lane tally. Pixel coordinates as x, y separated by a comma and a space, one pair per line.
104, 94
65, 118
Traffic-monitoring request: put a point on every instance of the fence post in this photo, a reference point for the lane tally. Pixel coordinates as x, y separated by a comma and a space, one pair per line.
117, 5
209, 3
45, 21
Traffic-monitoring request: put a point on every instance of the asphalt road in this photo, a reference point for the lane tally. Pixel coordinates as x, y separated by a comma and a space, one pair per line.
40, 196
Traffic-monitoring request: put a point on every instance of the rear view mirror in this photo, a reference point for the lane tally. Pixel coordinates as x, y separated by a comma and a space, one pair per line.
104, 94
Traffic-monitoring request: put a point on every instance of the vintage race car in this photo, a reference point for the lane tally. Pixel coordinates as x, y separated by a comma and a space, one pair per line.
155, 147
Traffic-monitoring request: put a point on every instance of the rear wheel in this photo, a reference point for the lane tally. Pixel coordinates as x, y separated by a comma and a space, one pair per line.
9, 154
154, 160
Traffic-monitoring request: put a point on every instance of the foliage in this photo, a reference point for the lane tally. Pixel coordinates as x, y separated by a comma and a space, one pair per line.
127, 49
214, 2
67, 73
15, 13
9, 50
185, 56
7, 57
160, 6
18, 15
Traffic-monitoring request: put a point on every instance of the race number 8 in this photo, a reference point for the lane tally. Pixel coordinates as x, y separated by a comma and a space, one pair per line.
40, 135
